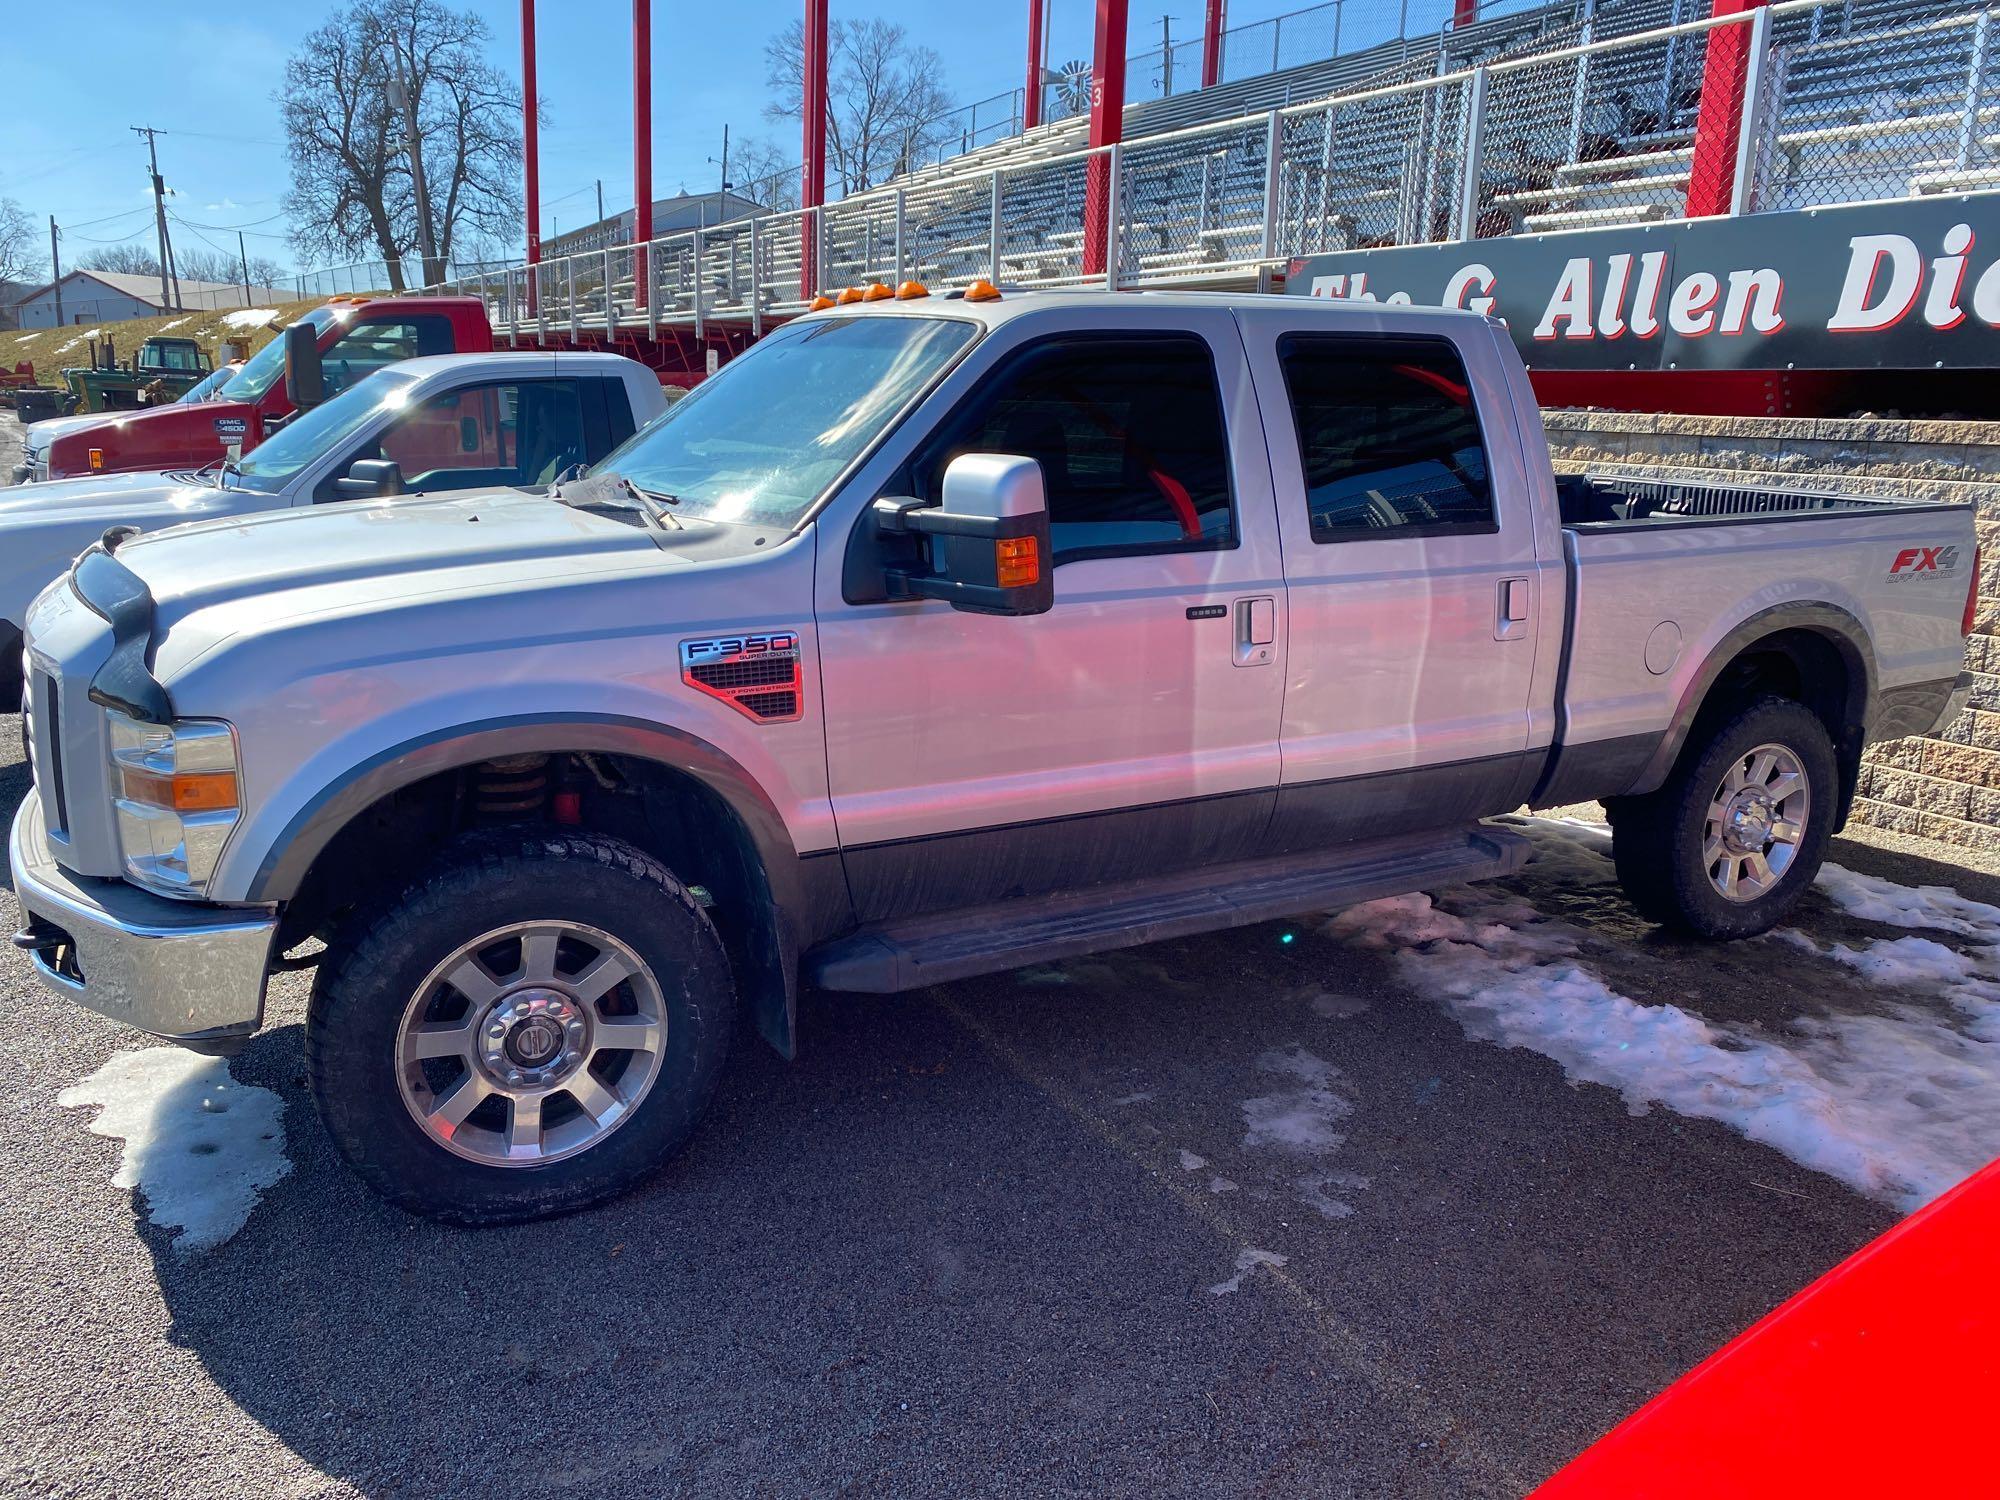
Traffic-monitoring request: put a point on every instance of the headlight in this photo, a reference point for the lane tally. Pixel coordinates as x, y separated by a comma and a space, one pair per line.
177, 797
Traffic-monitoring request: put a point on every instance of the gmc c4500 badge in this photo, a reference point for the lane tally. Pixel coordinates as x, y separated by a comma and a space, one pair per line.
757, 675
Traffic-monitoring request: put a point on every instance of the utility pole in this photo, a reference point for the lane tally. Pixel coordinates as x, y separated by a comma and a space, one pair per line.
1166, 56
406, 97
725, 170
167, 297
600, 200
55, 265
243, 259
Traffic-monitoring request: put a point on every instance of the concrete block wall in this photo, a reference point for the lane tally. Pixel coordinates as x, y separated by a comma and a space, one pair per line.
1945, 788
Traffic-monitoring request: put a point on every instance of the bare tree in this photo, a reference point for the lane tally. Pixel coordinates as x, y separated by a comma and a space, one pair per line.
352, 183
194, 264
20, 244
766, 173
885, 107
129, 260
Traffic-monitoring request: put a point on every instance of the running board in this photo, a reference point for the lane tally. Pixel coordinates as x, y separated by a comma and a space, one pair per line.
908, 955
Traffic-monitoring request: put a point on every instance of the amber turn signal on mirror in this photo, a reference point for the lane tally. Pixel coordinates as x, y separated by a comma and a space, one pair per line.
1017, 561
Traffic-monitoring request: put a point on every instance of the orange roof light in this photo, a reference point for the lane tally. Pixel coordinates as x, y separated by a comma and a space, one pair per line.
982, 290
910, 290
851, 294
97, 458
877, 293
819, 303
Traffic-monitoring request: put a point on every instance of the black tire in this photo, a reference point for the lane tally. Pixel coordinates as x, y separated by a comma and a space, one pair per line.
389, 950
1657, 839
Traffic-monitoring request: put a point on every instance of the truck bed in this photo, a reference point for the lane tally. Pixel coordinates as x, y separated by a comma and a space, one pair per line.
1662, 571
1595, 502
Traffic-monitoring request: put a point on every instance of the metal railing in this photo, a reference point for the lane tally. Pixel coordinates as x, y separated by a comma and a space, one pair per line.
1593, 134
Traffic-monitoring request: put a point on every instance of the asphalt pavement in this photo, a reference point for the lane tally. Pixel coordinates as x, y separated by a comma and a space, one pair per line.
1026, 1235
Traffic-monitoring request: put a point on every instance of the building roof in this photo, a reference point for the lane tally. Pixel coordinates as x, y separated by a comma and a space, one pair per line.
199, 295
682, 211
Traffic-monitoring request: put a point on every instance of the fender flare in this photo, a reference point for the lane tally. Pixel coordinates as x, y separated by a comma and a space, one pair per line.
772, 989
1840, 628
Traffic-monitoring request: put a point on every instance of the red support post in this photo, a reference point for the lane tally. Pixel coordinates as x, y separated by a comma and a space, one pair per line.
642, 144
1211, 42
812, 191
1107, 128
1031, 102
531, 147
1464, 13
1718, 120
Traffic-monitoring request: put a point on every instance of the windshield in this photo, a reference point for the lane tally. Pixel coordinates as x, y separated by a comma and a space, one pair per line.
312, 434
267, 366
207, 386
762, 441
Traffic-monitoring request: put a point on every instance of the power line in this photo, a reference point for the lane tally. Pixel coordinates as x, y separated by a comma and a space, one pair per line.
89, 223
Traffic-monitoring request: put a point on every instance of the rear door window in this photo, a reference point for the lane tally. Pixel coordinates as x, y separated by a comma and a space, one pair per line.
367, 347
1388, 438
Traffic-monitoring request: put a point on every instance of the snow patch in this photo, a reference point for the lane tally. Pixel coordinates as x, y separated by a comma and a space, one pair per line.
201, 1146
1192, 1163
1221, 1185
249, 317
1935, 906
1331, 1007
1248, 1259
1899, 1106
1301, 1118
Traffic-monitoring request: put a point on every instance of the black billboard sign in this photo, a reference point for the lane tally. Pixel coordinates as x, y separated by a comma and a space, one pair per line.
1906, 285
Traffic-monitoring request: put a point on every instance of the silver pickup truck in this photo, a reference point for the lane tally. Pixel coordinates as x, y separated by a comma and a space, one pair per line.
937, 635
424, 426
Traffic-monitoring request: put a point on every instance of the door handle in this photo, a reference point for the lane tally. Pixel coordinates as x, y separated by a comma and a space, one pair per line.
1510, 618
1256, 631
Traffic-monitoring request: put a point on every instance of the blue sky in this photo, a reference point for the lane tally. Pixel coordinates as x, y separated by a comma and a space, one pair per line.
206, 79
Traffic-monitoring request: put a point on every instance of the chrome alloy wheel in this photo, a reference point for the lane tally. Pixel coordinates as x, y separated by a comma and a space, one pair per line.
1756, 818
531, 1043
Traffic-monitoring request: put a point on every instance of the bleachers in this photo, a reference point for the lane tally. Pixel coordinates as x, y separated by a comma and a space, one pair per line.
1588, 120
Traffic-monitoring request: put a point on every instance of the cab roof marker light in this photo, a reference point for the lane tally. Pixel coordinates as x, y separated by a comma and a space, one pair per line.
982, 290
850, 294
877, 292
909, 291
820, 303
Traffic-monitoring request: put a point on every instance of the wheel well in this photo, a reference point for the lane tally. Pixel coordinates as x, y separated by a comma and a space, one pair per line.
1823, 673
672, 815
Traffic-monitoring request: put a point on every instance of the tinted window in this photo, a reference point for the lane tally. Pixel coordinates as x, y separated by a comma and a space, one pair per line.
522, 433
1129, 434
366, 348
1388, 438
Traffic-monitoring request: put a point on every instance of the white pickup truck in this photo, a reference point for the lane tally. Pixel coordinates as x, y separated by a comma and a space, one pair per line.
937, 635
424, 426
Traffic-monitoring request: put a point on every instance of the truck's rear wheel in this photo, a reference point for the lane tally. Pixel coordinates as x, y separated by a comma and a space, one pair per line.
1734, 838
526, 1030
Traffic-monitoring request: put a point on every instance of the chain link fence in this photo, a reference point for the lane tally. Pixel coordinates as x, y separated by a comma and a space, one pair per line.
1786, 107
1882, 115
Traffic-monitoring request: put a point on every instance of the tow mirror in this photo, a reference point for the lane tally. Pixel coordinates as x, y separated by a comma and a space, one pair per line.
370, 479
989, 538
305, 378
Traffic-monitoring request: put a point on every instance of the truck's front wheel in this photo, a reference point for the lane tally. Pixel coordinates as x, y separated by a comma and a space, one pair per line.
526, 1030
1734, 838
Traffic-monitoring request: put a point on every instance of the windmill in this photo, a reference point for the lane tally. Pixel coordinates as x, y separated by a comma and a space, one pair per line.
1072, 85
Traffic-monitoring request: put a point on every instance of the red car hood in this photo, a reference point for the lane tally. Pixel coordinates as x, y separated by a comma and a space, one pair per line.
160, 437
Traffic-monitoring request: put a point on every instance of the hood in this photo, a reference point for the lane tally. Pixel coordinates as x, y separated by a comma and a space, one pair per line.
148, 501
158, 437
49, 429
365, 551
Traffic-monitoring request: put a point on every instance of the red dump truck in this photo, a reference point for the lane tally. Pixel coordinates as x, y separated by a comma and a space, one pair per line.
320, 355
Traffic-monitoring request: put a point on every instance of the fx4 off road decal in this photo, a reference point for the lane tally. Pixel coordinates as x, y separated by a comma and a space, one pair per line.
758, 675
1921, 565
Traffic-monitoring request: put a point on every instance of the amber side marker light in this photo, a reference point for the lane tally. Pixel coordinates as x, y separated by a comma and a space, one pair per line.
186, 791
820, 303
851, 294
97, 458
909, 291
1018, 561
982, 291
877, 293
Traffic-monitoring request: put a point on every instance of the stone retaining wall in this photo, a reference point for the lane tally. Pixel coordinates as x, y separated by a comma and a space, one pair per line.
1946, 788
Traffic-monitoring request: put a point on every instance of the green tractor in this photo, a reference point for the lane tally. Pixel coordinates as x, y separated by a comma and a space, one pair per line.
158, 375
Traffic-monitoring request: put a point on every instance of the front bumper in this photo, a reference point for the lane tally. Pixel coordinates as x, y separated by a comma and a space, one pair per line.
182, 970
